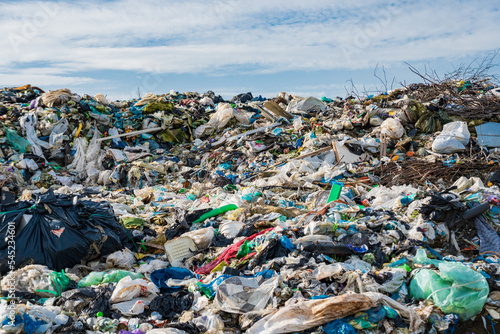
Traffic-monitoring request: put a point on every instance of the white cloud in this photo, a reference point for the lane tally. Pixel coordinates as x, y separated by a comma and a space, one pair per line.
43, 80
254, 37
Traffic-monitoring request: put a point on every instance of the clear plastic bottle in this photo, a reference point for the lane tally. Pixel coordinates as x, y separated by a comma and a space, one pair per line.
133, 324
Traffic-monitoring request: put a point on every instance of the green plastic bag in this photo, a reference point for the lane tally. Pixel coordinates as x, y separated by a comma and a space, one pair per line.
116, 275
455, 289
59, 282
94, 278
133, 222
421, 257
244, 250
17, 142
101, 277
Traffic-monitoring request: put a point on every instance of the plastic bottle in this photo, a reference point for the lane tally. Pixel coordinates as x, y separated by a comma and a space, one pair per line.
133, 324
145, 327
61, 319
156, 316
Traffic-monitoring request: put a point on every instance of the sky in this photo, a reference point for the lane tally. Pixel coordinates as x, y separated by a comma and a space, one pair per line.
126, 48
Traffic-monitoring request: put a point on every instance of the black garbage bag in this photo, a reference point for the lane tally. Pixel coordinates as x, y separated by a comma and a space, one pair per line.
327, 247
222, 181
221, 241
357, 239
73, 327
273, 250
187, 327
495, 177
58, 231
444, 207
243, 97
171, 305
246, 231
193, 216
88, 300
182, 222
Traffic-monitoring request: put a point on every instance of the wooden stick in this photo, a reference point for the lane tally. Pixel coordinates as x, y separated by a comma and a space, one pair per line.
335, 150
128, 134
321, 150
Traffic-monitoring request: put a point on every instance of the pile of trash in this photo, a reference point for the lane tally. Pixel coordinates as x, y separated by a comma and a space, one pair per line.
186, 213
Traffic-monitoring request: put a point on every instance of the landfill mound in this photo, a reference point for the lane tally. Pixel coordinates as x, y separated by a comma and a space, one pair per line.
184, 213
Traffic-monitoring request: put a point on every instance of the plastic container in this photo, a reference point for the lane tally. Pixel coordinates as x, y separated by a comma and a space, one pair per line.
179, 249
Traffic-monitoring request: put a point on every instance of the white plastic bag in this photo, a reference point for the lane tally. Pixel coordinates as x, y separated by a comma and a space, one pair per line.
57, 134
206, 101
209, 323
28, 122
224, 112
114, 132
115, 175
243, 116
128, 289
149, 97
103, 178
151, 266
78, 163
167, 331
201, 237
392, 128
453, 138
94, 147
123, 259
389, 198
131, 307
328, 270
318, 227
92, 172
230, 229
298, 124
311, 313
375, 120
27, 164
31, 164
100, 118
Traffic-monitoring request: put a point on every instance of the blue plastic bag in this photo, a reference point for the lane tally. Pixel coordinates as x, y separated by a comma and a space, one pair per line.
161, 276
339, 326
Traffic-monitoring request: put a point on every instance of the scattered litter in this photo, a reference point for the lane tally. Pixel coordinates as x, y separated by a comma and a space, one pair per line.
185, 213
